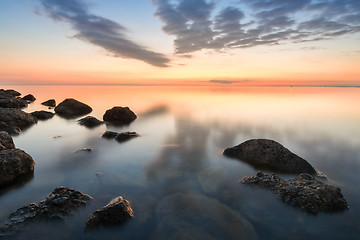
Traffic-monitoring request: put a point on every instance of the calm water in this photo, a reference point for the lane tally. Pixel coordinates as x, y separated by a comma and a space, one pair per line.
177, 162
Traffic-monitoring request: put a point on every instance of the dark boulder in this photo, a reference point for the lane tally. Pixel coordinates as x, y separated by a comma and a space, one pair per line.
109, 135
304, 192
117, 212
269, 155
6, 141
119, 115
90, 122
70, 108
49, 103
9, 101
10, 92
13, 130
29, 98
16, 118
14, 163
42, 115
60, 203
126, 136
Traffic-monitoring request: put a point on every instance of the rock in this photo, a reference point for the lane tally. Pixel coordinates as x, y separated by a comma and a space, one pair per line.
84, 150
109, 135
29, 98
13, 130
269, 155
117, 212
42, 115
70, 108
119, 115
10, 92
49, 103
14, 163
6, 141
90, 122
304, 192
9, 101
16, 118
202, 217
60, 203
126, 136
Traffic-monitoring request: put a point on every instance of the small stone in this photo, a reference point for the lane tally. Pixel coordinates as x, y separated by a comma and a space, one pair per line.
126, 136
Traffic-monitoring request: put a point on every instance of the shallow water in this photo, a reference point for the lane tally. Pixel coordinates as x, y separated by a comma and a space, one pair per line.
179, 156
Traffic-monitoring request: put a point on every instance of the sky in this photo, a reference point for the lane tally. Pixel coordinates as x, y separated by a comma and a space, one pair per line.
180, 42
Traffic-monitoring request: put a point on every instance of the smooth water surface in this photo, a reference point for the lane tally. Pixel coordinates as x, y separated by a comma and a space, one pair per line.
177, 162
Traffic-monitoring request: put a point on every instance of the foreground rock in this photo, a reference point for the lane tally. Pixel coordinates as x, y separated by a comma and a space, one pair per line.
42, 115
304, 192
10, 92
202, 217
29, 98
119, 115
6, 141
60, 203
16, 118
9, 99
117, 212
49, 103
70, 108
269, 155
126, 136
90, 122
13, 130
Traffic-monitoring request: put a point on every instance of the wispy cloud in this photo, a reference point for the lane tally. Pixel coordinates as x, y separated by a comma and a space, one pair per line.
100, 31
198, 25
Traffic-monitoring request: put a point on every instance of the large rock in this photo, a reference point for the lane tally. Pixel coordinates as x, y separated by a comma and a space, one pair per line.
6, 141
304, 192
119, 115
60, 203
29, 98
269, 155
90, 122
70, 108
8, 99
10, 92
117, 212
14, 163
194, 216
16, 118
49, 103
13, 130
42, 115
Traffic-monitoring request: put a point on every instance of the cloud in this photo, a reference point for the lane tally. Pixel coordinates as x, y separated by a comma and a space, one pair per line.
100, 31
199, 25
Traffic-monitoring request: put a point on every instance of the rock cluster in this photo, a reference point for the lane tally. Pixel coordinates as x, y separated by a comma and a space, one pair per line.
303, 191
13, 117
9, 99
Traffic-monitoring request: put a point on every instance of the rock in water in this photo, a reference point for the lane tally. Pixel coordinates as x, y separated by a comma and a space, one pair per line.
29, 98
119, 115
126, 136
6, 141
70, 108
16, 118
8, 99
304, 192
60, 203
90, 122
109, 135
10, 92
117, 212
14, 163
42, 115
269, 155
49, 103
13, 130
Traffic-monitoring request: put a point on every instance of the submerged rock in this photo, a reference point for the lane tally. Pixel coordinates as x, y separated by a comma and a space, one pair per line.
60, 203
269, 155
90, 122
119, 115
49, 103
202, 217
304, 192
109, 135
42, 115
16, 118
6, 141
126, 136
29, 98
70, 108
117, 212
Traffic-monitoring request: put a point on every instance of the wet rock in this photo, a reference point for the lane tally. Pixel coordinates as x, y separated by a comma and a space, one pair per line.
126, 136
10, 92
12, 130
60, 203
49, 103
70, 108
109, 135
29, 98
304, 192
119, 115
7, 101
269, 155
202, 217
42, 115
117, 212
90, 122
14, 163
6, 141
16, 118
